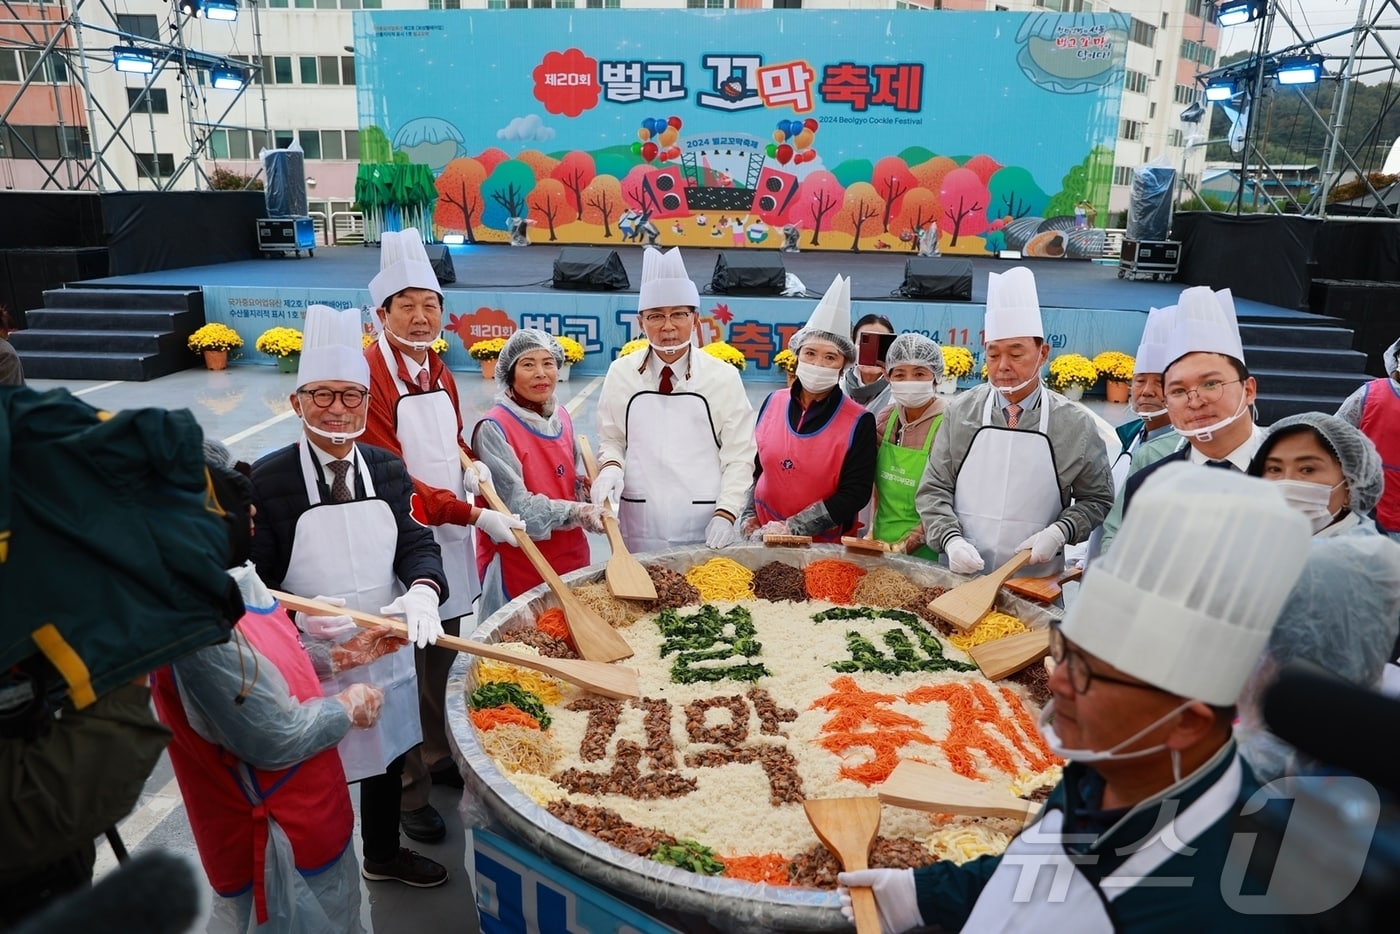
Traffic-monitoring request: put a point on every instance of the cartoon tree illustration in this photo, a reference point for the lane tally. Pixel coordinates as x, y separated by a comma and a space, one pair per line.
459, 196
505, 191
984, 165
1087, 181
964, 199
918, 210
552, 202
632, 191
542, 165
601, 198
930, 174
490, 158
892, 180
575, 171
1015, 194
816, 204
862, 204
375, 145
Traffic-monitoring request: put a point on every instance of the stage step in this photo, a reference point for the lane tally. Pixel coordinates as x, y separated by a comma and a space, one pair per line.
1300, 354
1301, 364
96, 332
1304, 382
1267, 335
1274, 407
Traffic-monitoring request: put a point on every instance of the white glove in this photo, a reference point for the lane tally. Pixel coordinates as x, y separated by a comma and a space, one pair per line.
498, 525
419, 608
362, 702
720, 533
963, 558
1044, 544
325, 627
607, 486
895, 896
588, 517
776, 527
473, 479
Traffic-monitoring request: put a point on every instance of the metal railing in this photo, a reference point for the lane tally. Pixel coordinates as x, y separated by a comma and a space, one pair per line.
1113, 242
318, 223
347, 227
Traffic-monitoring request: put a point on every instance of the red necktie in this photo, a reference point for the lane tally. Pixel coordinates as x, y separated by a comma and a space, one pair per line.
1013, 415
423, 379
666, 375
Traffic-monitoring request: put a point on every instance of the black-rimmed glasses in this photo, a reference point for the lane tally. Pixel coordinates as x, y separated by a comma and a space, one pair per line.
325, 398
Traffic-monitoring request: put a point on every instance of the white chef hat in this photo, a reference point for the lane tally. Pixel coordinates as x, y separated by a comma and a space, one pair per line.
1204, 323
1152, 350
1195, 582
403, 264
1013, 306
665, 283
830, 320
331, 347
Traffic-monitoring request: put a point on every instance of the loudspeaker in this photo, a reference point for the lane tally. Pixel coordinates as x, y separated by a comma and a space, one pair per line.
663, 193
934, 277
442, 263
774, 195
758, 273
589, 269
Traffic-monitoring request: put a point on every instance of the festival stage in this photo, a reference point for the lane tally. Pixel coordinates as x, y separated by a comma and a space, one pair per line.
1087, 308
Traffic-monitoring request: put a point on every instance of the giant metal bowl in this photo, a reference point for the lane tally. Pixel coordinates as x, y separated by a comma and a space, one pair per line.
727, 904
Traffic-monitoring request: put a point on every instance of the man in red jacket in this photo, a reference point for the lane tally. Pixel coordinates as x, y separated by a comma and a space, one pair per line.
1375, 409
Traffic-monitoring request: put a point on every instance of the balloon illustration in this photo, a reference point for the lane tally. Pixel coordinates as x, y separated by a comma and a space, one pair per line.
644, 134
673, 153
668, 137
810, 124
649, 151
784, 154
637, 148
779, 136
803, 140
674, 123
772, 150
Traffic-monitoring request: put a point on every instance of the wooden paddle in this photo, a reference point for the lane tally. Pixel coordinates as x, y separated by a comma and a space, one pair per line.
925, 787
626, 577
786, 541
865, 545
607, 680
1042, 589
848, 826
1009, 654
967, 603
592, 636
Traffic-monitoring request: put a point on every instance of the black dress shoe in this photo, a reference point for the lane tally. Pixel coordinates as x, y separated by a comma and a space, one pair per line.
423, 824
447, 775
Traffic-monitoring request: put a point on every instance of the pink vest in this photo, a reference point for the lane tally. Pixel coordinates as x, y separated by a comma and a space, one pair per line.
1380, 421
309, 800
799, 470
547, 465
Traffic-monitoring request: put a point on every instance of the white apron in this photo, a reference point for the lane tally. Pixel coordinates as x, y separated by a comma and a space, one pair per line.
1038, 887
1008, 489
426, 426
347, 550
672, 477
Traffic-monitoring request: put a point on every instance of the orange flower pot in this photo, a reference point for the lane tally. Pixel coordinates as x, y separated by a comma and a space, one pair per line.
216, 359
1117, 391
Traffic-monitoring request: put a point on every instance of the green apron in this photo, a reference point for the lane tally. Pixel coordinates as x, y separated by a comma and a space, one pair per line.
897, 474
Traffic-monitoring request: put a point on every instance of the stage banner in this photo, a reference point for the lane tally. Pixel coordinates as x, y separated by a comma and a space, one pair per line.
967, 132
603, 323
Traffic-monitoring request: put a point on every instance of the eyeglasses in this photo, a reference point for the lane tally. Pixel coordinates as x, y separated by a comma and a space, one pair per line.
325, 398
657, 318
1209, 391
1081, 676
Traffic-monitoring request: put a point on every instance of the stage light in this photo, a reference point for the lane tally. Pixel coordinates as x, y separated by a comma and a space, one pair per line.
1236, 12
221, 9
227, 79
1194, 113
188, 7
133, 60
1299, 69
1220, 89
454, 239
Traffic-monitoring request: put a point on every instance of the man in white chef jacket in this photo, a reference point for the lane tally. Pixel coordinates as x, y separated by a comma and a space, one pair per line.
676, 446
1015, 465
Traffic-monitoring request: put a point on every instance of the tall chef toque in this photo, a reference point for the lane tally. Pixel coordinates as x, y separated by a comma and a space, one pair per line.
1013, 306
1194, 585
830, 320
403, 264
665, 283
1152, 350
1204, 323
330, 347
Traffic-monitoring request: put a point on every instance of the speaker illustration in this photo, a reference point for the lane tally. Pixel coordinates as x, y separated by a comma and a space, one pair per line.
663, 193
774, 195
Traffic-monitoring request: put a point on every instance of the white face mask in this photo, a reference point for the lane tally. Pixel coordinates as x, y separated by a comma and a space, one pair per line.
1052, 740
670, 348
1012, 390
1311, 499
1207, 434
334, 439
911, 393
415, 346
1146, 416
817, 378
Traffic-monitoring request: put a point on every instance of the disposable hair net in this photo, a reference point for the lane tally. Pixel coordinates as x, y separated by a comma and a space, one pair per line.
1361, 463
521, 343
1342, 614
916, 349
1392, 359
842, 342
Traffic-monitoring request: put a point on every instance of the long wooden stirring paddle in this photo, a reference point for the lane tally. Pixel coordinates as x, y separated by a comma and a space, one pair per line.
607, 680
967, 603
848, 826
626, 577
592, 636
925, 787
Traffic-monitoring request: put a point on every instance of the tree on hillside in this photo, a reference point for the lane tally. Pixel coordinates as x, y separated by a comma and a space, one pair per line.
984, 166
862, 205
964, 199
459, 196
930, 174
918, 210
553, 204
542, 165
575, 171
892, 179
1014, 193
490, 158
816, 203
506, 189
602, 196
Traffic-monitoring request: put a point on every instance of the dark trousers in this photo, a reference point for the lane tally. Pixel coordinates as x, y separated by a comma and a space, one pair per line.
379, 813
434, 665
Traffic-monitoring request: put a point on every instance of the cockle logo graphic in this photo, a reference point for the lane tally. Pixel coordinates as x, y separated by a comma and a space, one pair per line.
788, 464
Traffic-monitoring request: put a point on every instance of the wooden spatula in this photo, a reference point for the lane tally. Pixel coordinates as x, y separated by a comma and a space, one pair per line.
867, 546
593, 637
967, 603
1009, 654
607, 680
1042, 589
626, 577
786, 541
848, 826
925, 787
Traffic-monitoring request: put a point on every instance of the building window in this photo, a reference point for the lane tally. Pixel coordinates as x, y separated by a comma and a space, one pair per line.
331, 147
1152, 111
1135, 81
1174, 138
501, 4
310, 143
1147, 154
1185, 94
277, 69
352, 145
229, 144
1122, 175
281, 139
1130, 129
308, 69
136, 99
1142, 33
162, 165
55, 68
9, 67
139, 24
277, 4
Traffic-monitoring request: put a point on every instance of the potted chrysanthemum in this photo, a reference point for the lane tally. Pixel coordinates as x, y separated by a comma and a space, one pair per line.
957, 362
1117, 368
1071, 374
727, 353
573, 353
282, 344
487, 352
215, 341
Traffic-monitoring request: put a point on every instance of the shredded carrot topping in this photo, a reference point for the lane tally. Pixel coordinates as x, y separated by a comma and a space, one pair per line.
769, 868
491, 717
833, 580
553, 624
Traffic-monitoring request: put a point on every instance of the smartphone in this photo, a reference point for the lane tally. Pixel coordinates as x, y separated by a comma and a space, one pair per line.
873, 347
